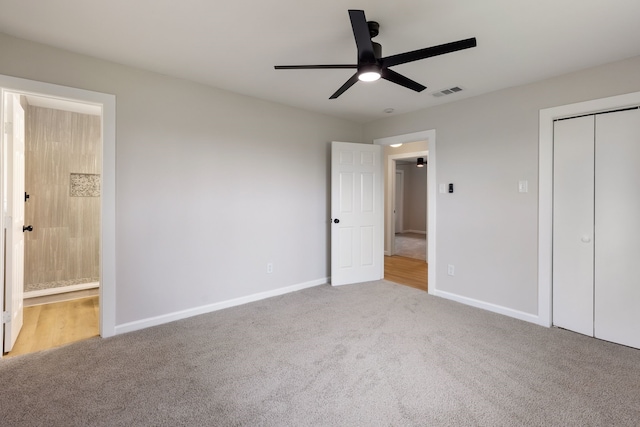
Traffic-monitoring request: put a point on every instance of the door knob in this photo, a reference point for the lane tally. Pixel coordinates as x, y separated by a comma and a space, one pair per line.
336, 220
27, 228
585, 239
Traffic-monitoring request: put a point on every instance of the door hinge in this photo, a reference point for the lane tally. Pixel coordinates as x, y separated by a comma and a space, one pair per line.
8, 127
6, 317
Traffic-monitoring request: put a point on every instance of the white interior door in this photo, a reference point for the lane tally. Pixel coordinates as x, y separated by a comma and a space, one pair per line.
573, 212
617, 225
356, 213
14, 219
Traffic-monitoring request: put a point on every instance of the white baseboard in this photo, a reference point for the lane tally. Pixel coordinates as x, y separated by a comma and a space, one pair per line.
60, 290
183, 314
521, 315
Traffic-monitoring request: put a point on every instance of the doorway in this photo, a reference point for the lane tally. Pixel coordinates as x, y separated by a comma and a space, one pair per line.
106, 208
426, 141
409, 234
60, 179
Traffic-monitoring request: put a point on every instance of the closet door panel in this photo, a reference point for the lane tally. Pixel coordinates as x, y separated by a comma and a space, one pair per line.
573, 224
617, 228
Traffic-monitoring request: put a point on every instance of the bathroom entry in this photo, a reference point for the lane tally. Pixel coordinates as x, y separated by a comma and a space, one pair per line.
62, 180
62, 158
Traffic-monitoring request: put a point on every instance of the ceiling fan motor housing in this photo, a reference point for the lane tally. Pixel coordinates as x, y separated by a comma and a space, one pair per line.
374, 28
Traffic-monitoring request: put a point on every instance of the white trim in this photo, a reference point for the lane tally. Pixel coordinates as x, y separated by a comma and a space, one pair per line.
107, 103
545, 187
430, 136
490, 307
61, 290
183, 314
397, 213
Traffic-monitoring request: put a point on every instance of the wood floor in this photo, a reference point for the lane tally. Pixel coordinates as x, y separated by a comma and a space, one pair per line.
406, 271
52, 325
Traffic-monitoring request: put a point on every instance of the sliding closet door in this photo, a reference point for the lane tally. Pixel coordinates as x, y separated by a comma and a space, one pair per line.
617, 227
573, 212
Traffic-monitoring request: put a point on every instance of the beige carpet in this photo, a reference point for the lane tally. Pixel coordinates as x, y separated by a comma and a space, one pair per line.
411, 245
375, 354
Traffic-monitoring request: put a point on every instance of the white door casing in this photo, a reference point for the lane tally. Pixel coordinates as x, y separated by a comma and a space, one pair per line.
398, 204
430, 136
14, 218
107, 103
545, 187
356, 213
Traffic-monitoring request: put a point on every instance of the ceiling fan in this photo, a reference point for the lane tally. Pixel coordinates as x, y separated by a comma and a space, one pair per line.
371, 66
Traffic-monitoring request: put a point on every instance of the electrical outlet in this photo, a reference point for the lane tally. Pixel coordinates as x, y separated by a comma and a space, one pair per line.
451, 270
270, 268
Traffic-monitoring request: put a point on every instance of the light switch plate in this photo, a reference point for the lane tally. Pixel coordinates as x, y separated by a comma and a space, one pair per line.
523, 186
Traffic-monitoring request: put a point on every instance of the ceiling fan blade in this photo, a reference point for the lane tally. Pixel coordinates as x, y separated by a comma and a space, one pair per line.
362, 36
345, 86
428, 52
397, 78
315, 67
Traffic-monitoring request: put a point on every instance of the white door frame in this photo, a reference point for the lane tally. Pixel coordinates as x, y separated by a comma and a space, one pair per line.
108, 200
398, 203
430, 136
545, 187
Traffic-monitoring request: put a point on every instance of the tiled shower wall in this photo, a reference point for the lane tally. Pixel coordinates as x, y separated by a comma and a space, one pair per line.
62, 168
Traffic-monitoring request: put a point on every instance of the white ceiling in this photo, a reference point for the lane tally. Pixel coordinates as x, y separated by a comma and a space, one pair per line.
235, 44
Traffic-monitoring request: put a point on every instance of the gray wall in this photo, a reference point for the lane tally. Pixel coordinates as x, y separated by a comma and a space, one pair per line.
485, 145
414, 197
211, 185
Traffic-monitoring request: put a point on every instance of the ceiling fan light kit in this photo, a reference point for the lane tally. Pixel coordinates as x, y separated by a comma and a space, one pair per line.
369, 73
371, 66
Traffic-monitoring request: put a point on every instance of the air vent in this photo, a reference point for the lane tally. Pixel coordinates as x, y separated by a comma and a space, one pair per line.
449, 91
